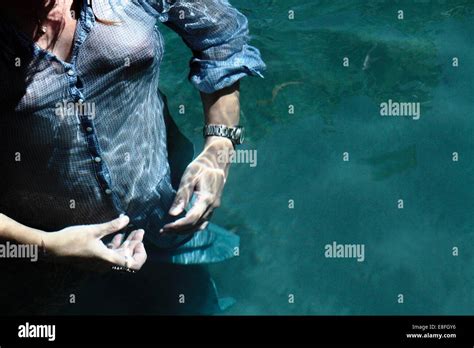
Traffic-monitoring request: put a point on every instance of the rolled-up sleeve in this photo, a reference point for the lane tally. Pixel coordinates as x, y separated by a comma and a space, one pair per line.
218, 36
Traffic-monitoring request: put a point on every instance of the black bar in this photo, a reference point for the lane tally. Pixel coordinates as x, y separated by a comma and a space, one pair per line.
135, 330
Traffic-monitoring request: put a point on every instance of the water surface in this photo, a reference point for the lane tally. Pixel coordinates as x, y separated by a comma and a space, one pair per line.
300, 157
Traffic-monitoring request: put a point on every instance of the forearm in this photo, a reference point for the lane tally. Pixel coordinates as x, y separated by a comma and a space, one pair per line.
14, 231
206, 175
222, 107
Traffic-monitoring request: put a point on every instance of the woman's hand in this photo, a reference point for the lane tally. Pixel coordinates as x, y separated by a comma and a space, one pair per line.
204, 177
83, 243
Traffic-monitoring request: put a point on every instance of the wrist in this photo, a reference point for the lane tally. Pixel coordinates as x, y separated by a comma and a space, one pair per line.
49, 243
219, 143
14, 231
219, 149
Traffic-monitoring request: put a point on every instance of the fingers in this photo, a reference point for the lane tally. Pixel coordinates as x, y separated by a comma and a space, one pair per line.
130, 254
102, 230
185, 191
132, 240
136, 235
206, 217
139, 256
119, 238
193, 217
116, 241
134, 250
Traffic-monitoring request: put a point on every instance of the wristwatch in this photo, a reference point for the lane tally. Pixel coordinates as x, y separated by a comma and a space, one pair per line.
235, 134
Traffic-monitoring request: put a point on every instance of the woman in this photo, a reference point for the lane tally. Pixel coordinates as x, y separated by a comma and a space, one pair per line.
83, 134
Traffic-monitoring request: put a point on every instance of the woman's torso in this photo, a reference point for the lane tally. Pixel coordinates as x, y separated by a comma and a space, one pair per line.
84, 140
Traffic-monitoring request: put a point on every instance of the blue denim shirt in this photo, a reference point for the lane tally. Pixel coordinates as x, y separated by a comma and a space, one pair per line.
85, 140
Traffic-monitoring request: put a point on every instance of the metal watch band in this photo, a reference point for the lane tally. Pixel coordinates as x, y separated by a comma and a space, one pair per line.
235, 134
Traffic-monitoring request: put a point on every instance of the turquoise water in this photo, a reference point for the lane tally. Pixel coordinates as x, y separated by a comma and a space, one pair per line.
408, 251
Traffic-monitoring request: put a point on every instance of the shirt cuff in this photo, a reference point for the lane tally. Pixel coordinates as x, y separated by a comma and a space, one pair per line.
209, 76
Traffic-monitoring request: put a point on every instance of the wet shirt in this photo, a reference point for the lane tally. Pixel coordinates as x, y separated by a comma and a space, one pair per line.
85, 140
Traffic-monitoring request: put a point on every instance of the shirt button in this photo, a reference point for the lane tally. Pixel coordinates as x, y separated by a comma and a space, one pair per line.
89, 129
70, 72
97, 159
108, 191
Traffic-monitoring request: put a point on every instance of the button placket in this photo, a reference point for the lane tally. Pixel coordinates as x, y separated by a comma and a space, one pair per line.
87, 125
100, 167
102, 173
